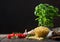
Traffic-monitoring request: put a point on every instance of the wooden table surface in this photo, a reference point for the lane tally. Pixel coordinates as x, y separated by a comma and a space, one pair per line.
26, 40
23, 40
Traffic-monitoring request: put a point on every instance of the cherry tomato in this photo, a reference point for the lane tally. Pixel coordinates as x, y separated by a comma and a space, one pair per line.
20, 35
9, 36
12, 35
23, 35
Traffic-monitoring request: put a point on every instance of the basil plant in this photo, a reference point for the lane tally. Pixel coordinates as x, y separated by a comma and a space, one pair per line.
45, 14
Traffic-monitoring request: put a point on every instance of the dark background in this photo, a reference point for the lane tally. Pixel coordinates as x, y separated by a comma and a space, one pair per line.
18, 15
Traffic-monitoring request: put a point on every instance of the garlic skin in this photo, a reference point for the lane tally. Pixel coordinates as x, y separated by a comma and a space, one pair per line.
50, 34
31, 32
25, 32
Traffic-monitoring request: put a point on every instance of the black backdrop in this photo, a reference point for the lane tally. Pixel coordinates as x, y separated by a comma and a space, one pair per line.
18, 15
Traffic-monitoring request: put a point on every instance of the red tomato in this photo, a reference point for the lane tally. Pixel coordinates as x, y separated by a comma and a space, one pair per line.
21, 35
9, 36
16, 34
12, 35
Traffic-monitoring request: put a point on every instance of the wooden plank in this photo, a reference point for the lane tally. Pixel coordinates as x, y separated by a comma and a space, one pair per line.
4, 39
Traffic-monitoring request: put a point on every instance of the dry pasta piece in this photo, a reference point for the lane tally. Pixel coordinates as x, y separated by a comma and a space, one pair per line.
34, 37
